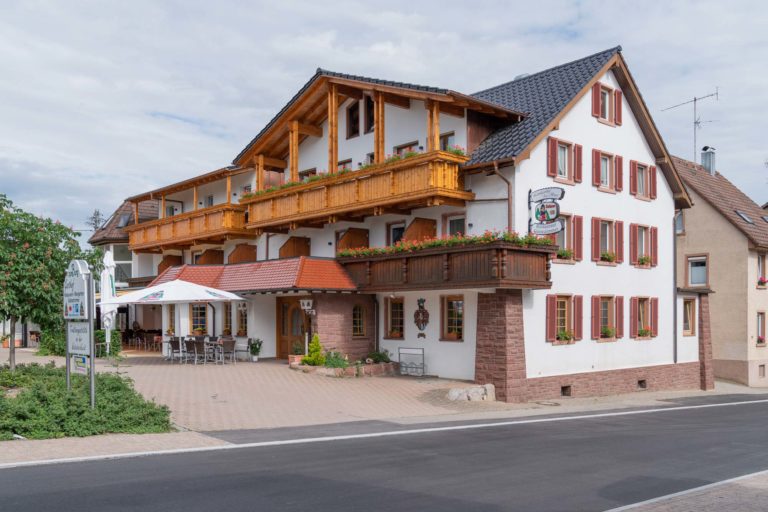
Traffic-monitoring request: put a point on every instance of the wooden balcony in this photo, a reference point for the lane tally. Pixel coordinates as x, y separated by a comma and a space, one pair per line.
208, 225
493, 265
428, 179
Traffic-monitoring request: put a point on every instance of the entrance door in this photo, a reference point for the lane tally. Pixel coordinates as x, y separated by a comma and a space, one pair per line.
292, 323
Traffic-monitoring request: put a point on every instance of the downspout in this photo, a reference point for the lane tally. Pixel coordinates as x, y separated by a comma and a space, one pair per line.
674, 292
213, 319
376, 323
510, 195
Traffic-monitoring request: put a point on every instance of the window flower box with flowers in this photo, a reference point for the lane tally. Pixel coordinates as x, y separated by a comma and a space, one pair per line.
456, 150
565, 337
761, 340
564, 254
607, 333
645, 332
762, 282
608, 257
644, 261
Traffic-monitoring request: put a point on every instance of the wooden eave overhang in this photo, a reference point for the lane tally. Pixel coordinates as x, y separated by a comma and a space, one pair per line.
618, 65
187, 184
309, 107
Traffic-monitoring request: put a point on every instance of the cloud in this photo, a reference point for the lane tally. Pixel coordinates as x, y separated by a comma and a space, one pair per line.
100, 102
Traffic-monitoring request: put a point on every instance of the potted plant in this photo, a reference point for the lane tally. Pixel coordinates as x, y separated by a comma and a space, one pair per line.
645, 332
564, 336
297, 352
608, 256
197, 332
169, 332
607, 332
644, 261
255, 349
241, 333
564, 254
227, 332
395, 334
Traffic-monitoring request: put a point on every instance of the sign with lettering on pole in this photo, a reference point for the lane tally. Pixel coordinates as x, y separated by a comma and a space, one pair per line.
75, 291
79, 338
79, 310
544, 211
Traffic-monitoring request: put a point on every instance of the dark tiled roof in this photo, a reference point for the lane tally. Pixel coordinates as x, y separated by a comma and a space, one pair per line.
111, 230
726, 198
300, 273
542, 96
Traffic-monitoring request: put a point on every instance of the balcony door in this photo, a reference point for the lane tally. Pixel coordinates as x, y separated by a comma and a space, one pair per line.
292, 324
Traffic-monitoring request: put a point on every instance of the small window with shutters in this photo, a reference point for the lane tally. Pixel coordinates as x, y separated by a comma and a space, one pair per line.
607, 104
642, 180
644, 317
570, 239
564, 319
643, 246
607, 317
607, 171
564, 161
607, 241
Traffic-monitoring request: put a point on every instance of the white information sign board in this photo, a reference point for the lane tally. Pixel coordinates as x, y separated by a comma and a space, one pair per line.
79, 338
75, 291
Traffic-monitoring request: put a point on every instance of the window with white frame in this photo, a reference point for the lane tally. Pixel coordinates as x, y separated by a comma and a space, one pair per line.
605, 171
689, 317
697, 271
606, 237
563, 165
642, 180
605, 103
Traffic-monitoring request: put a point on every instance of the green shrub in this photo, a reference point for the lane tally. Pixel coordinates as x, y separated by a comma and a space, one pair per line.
115, 344
45, 409
335, 360
315, 356
379, 357
53, 341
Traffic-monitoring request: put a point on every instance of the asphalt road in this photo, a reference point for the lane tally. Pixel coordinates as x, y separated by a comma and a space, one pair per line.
581, 464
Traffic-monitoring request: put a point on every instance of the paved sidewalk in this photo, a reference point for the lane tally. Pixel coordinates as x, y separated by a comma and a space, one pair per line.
744, 495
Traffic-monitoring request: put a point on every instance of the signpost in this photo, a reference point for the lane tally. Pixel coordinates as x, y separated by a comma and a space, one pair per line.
544, 211
79, 309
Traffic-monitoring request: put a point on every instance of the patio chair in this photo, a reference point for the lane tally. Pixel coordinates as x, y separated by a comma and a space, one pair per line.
187, 349
246, 350
227, 349
174, 348
196, 350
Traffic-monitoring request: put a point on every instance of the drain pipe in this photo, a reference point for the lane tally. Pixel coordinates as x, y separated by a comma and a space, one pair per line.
510, 195
674, 292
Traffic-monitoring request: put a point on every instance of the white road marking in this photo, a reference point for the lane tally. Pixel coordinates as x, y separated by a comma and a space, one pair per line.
687, 491
389, 433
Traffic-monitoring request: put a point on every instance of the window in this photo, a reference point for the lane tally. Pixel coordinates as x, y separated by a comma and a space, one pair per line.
196, 257
605, 103
395, 312
679, 223
455, 225
369, 158
606, 236
606, 317
345, 165
123, 220
642, 242
765, 217
358, 320
308, 173
564, 322
227, 314
642, 177
242, 318
607, 174
605, 171
607, 240
353, 120
761, 327
169, 210
247, 189
642, 180
395, 232
171, 329
562, 239
643, 317
562, 161
452, 313
121, 252
569, 239
744, 217
761, 269
563, 316
208, 201
411, 147
198, 314
447, 140
689, 317
369, 116
697, 271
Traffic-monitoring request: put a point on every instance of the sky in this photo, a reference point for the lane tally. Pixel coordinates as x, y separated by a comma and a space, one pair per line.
100, 100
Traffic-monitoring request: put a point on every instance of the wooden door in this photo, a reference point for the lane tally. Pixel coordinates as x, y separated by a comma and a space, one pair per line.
292, 324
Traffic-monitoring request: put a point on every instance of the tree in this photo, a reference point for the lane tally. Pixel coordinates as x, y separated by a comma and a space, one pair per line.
95, 220
34, 254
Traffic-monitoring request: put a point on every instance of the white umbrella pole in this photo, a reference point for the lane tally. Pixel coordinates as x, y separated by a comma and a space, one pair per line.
108, 339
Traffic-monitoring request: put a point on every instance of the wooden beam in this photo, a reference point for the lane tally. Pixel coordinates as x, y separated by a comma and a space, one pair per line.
451, 110
135, 213
194, 198
274, 162
349, 92
398, 101
333, 128
259, 172
229, 189
379, 147
162, 206
433, 125
293, 151
308, 129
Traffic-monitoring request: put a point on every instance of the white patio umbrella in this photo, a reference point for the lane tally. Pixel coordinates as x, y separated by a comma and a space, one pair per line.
108, 293
172, 292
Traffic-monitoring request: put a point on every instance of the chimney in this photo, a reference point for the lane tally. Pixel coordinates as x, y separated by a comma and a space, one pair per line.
708, 159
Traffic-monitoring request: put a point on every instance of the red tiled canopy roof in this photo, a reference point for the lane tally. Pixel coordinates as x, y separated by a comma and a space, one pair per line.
300, 273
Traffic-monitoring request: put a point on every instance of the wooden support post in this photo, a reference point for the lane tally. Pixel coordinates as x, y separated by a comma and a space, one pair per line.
433, 125
162, 206
229, 189
293, 151
260, 172
379, 150
194, 198
333, 128
135, 213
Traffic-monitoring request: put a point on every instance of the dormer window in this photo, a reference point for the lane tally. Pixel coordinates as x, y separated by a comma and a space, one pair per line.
744, 217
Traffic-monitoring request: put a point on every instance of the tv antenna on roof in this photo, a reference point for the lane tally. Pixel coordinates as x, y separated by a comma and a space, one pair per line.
696, 119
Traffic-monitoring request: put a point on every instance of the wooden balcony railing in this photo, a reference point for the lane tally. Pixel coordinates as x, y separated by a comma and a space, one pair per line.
211, 225
428, 179
493, 265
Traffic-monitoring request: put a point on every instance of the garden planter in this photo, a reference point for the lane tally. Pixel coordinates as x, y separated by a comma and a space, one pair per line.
254, 359
6, 344
295, 359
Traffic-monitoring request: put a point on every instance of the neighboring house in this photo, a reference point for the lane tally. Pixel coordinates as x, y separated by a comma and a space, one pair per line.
133, 270
355, 162
721, 244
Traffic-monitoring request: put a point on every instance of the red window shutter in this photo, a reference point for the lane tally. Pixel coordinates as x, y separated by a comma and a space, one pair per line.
595, 317
577, 150
619, 230
596, 167
595, 239
618, 162
633, 177
633, 317
619, 308
551, 317
654, 247
652, 177
596, 100
633, 244
577, 231
654, 317
552, 156
578, 317
617, 107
